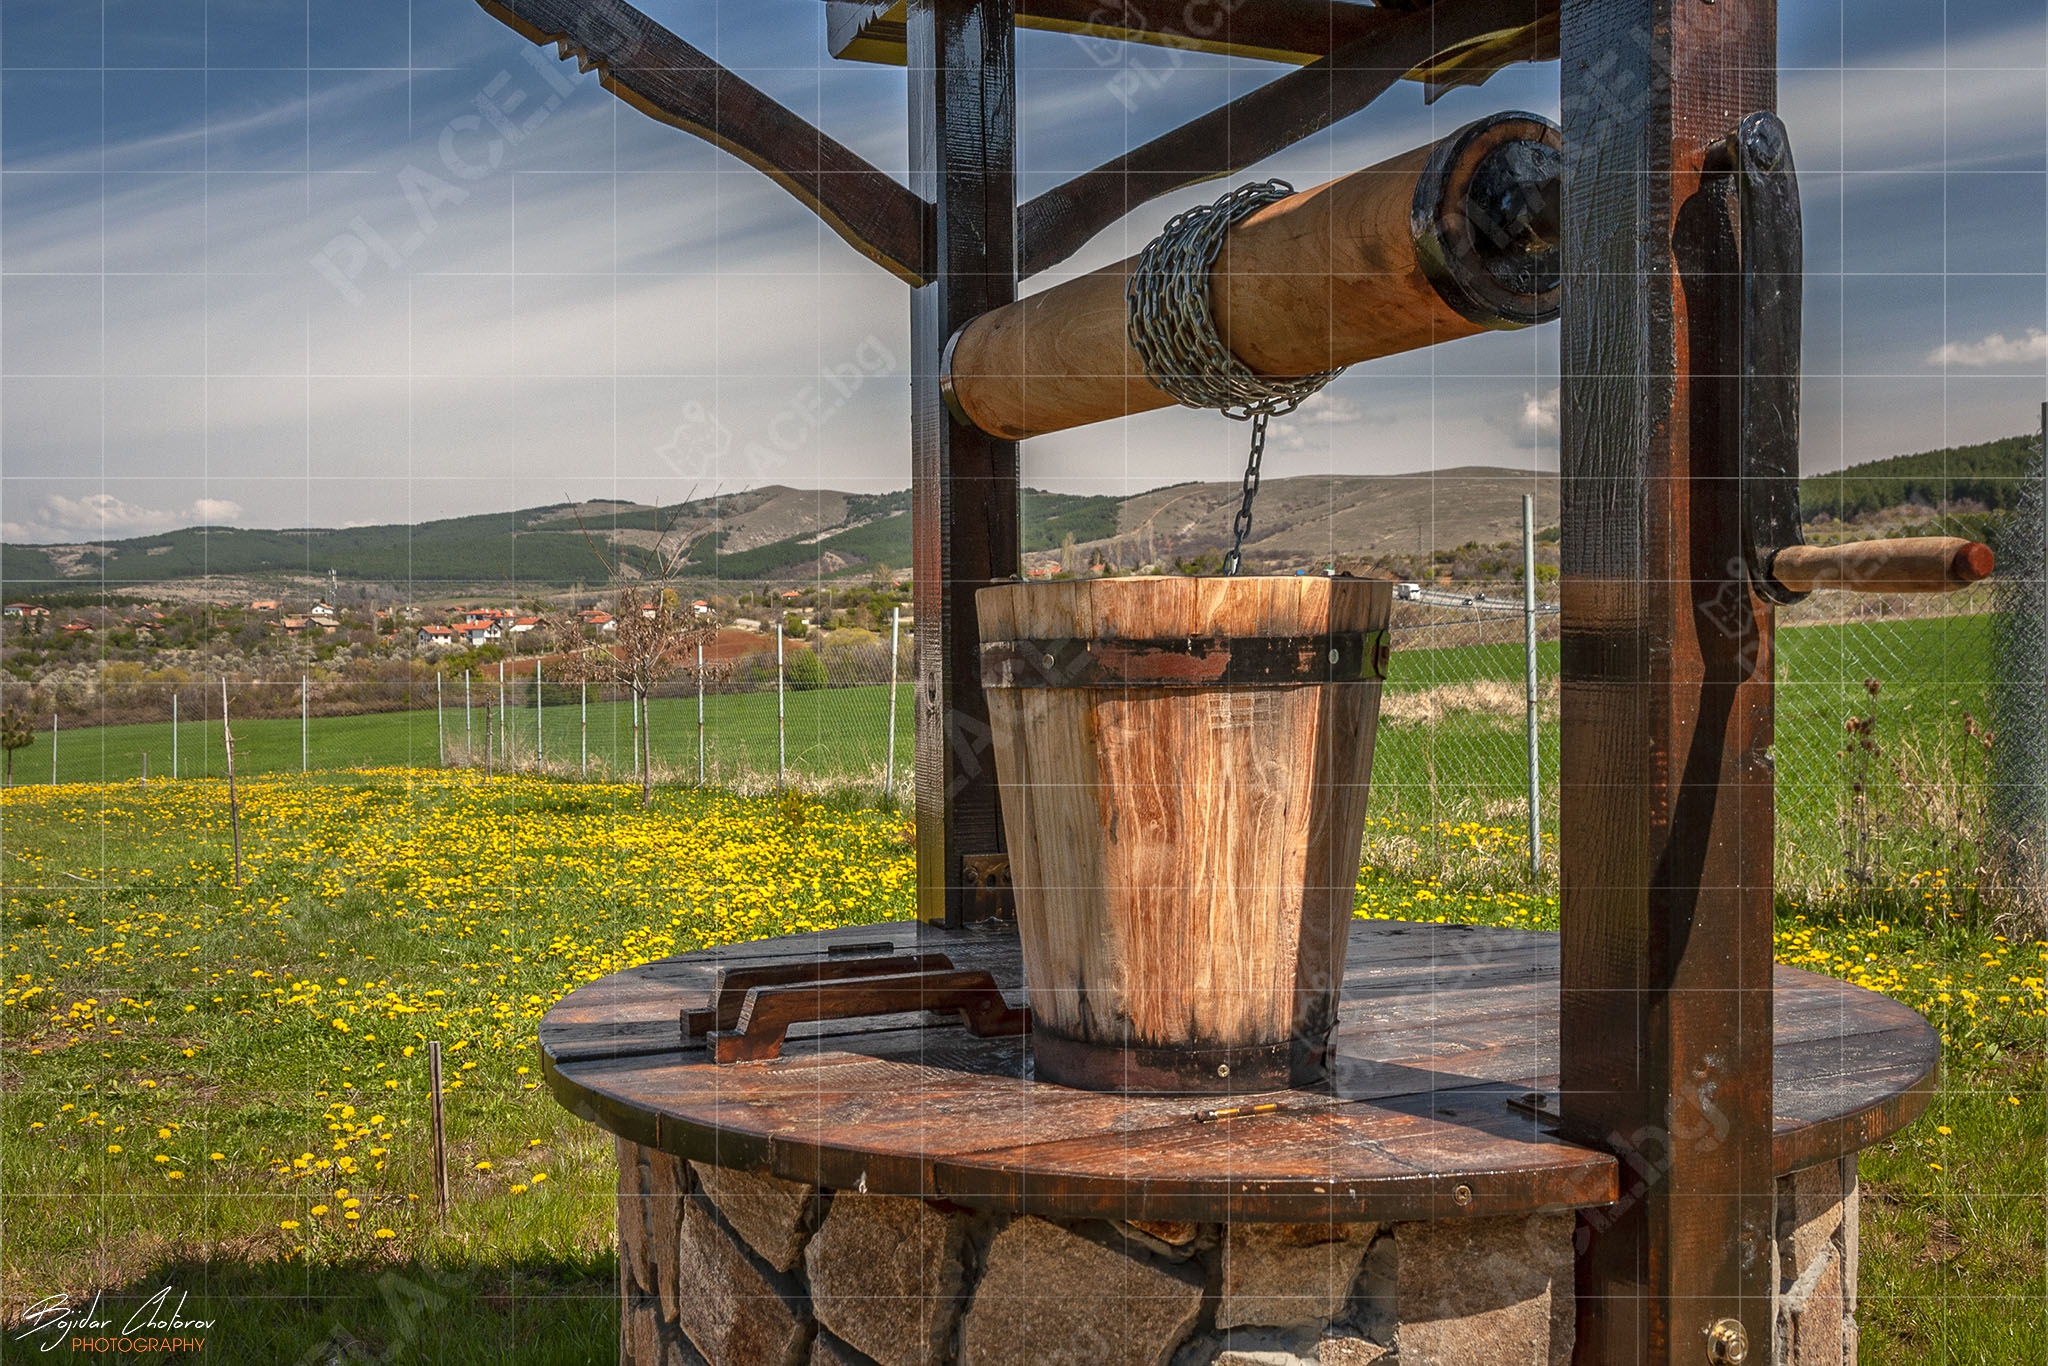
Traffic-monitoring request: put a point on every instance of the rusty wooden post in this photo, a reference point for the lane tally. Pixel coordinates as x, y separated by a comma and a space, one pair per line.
1666, 789
964, 492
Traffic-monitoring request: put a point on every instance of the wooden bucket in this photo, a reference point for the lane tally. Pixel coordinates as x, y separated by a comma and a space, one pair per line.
1184, 765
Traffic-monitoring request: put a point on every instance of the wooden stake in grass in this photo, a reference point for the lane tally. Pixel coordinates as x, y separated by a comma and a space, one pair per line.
440, 1126
227, 744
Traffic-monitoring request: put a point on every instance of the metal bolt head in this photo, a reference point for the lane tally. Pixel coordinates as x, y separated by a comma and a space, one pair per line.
1727, 1343
1222, 1069
1462, 1196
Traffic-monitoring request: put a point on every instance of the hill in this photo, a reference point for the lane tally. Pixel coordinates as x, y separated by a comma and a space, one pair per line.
1988, 474
779, 533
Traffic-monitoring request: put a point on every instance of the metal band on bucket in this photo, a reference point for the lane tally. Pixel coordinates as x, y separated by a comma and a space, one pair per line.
1207, 1069
1187, 661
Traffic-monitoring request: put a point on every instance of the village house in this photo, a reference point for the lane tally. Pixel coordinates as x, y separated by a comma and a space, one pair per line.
436, 635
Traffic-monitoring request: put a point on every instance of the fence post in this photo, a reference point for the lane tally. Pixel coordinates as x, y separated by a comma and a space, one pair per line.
440, 1127
440, 727
1529, 672
53, 749
305, 728
584, 702
227, 744
700, 713
504, 721
540, 744
889, 754
174, 731
633, 731
468, 748
781, 736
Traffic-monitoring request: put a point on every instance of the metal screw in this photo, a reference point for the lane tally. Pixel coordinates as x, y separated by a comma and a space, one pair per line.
1222, 1069
1462, 1196
1333, 654
1728, 1343
1048, 661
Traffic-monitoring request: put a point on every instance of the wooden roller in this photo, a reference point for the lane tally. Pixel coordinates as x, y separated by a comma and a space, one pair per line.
1439, 243
1927, 564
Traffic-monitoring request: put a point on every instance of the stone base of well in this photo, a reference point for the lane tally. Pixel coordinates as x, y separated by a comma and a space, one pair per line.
724, 1268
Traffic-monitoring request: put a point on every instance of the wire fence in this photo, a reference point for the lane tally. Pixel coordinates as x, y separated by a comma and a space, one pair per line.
1892, 734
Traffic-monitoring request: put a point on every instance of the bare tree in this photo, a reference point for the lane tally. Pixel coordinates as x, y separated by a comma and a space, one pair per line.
655, 633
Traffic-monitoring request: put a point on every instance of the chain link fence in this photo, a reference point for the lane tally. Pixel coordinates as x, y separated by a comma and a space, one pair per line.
2020, 710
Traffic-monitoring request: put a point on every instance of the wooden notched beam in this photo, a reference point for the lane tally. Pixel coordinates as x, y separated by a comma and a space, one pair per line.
1293, 31
1275, 116
667, 79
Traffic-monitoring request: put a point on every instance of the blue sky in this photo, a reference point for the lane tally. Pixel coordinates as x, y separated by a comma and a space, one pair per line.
611, 308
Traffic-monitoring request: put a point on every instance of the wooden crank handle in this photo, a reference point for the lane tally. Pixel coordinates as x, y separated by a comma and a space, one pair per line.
770, 1010
1919, 564
730, 997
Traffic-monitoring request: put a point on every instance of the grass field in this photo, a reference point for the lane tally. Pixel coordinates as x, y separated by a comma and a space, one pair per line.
225, 1089
831, 734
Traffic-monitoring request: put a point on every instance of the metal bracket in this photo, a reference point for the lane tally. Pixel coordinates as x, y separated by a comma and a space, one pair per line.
1772, 278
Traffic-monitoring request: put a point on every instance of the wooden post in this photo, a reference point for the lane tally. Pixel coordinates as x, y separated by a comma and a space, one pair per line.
1534, 755
440, 1126
964, 493
889, 753
1666, 789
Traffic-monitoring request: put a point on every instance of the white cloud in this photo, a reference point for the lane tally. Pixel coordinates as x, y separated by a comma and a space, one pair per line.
216, 511
99, 516
1996, 349
1538, 420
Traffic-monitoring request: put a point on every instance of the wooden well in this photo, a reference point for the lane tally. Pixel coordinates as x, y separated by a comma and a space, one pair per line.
1184, 765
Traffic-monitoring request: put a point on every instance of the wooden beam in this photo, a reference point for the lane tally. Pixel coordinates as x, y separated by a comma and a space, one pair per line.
964, 489
667, 79
1255, 125
1666, 788
1296, 32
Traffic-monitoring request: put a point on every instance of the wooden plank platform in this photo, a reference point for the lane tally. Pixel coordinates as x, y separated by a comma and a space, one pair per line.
1440, 1106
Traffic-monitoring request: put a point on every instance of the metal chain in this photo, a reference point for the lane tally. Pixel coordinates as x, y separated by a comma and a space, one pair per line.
1174, 333
1242, 523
